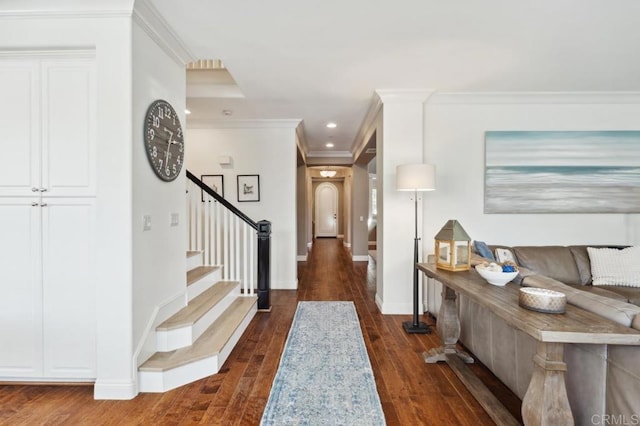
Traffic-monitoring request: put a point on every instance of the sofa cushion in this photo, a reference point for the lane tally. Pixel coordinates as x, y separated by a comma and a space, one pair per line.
602, 291
611, 266
556, 262
581, 257
632, 294
615, 310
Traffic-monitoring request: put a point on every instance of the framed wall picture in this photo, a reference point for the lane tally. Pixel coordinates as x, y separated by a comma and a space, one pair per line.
215, 182
248, 188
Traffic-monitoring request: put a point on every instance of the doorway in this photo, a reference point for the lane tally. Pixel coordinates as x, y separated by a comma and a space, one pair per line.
326, 209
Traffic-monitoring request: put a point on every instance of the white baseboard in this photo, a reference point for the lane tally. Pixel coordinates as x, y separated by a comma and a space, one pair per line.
394, 308
106, 389
360, 258
347, 245
301, 258
284, 285
309, 245
340, 235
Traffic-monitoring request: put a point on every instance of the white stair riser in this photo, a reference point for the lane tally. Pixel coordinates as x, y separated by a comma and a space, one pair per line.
203, 284
194, 261
159, 381
163, 381
169, 340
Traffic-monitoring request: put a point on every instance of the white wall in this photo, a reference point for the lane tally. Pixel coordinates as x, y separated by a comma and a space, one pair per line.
159, 255
269, 150
454, 141
110, 38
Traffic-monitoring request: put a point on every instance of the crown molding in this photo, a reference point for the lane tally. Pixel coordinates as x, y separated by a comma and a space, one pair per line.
452, 98
243, 124
66, 9
303, 144
362, 136
404, 95
152, 23
330, 154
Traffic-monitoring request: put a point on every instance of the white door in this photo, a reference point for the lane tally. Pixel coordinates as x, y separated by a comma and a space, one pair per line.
326, 210
20, 288
68, 288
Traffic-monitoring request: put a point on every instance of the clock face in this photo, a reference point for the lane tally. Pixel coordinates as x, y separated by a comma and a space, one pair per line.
163, 140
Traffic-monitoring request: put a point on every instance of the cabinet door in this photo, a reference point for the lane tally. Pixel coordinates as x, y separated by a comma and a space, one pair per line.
20, 289
68, 279
19, 126
68, 127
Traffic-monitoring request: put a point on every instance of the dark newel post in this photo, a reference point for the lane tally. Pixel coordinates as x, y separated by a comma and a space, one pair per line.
264, 264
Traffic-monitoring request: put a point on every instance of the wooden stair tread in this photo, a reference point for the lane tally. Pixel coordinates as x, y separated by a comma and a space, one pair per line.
192, 253
200, 272
209, 344
198, 306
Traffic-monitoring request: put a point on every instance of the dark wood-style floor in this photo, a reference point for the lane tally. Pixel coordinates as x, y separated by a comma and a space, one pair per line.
412, 393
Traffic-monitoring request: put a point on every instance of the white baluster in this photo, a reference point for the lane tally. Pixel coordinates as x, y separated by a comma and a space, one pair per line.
227, 236
238, 241
218, 234
207, 230
252, 257
245, 259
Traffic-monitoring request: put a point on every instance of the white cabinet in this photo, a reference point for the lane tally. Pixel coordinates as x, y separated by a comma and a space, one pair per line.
47, 218
47, 123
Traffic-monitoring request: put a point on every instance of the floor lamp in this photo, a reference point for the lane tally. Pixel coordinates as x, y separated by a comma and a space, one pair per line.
416, 177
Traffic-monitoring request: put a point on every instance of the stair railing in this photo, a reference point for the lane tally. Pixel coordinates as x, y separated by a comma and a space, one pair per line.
227, 237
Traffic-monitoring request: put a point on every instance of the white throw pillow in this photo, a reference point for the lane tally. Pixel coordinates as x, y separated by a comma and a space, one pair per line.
615, 267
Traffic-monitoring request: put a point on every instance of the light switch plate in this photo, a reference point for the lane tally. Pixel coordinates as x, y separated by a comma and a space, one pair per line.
146, 222
175, 219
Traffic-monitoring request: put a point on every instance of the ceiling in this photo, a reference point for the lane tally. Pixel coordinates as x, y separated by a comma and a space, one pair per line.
322, 61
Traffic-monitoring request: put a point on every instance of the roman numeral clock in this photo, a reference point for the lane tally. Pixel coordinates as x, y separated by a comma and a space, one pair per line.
164, 140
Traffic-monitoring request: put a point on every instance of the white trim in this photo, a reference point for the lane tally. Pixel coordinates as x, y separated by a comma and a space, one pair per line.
73, 52
284, 285
309, 245
347, 245
360, 258
303, 144
340, 236
365, 126
330, 154
404, 95
535, 98
243, 124
394, 308
156, 27
379, 302
107, 389
301, 258
147, 344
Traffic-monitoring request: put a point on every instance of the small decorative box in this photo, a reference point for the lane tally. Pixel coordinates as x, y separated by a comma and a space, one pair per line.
542, 300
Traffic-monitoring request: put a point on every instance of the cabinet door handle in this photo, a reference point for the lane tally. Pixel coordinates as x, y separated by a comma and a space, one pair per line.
43, 189
43, 205
34, 204
34, 189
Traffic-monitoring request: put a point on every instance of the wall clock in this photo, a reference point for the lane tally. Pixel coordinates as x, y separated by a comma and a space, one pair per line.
164, 140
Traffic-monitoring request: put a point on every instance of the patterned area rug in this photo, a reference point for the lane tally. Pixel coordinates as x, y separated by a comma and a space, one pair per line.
325, 376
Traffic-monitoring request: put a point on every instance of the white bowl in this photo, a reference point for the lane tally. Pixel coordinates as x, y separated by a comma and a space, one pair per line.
496, 278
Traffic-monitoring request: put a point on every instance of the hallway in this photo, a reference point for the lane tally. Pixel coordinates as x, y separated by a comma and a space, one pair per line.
411, 392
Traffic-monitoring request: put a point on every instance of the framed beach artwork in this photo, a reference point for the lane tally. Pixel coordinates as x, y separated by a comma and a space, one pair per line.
248, 188
215, 182
562, 172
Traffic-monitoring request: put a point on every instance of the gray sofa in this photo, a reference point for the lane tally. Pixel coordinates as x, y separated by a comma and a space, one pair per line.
601, 379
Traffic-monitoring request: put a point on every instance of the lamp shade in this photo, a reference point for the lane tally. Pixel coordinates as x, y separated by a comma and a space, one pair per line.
416, 177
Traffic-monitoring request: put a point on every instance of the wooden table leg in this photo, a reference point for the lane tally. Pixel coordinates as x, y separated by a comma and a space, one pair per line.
545, 403
448, 327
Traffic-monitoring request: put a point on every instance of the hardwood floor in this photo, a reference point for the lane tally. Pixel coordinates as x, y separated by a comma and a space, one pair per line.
412, 392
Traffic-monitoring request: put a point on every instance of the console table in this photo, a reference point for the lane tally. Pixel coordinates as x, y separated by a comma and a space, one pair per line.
545, 402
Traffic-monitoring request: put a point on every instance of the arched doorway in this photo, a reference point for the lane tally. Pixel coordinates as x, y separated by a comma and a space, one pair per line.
326, 208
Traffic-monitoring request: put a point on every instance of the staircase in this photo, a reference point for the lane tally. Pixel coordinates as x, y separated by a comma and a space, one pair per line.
221, 301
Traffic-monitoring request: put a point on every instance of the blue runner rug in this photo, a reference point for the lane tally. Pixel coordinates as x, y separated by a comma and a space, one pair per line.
325, 376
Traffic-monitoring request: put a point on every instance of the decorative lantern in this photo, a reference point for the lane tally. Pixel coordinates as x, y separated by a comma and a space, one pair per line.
453, 247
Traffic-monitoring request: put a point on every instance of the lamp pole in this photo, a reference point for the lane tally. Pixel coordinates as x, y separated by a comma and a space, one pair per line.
415, 327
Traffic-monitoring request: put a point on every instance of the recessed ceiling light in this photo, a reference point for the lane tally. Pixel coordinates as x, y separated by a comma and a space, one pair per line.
186, 111
332, 125
329, 145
